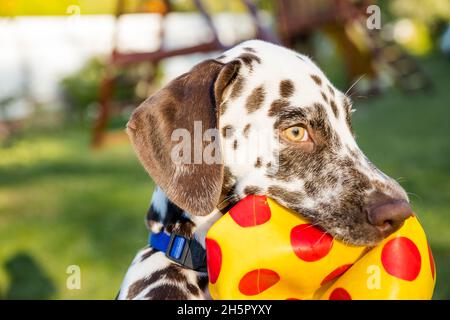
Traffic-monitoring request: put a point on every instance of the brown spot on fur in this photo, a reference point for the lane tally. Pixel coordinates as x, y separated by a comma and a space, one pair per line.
202, 282
184, 228
223, 108
221, 57
193, 289
247, 129
269, 164
286, 88
285, 195
330, 89
334, 108
238, 86
258, 162
347, 108
235, 144
289, 115
248, 49
166, 292
316, 79
170, 228
228, 131
248, 59
319, 122
332, 180
228, 181
324, 96
277, 106
137, 287
148, 254
255, 99
172, 272
252, 190
311, 188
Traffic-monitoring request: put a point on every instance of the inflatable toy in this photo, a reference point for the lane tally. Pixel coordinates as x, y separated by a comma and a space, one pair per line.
262, 250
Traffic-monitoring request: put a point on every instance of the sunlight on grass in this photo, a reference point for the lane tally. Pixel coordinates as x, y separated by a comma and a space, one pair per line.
62, 203
33, 151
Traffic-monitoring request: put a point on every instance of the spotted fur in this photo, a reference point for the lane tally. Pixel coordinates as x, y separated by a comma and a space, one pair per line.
260, 90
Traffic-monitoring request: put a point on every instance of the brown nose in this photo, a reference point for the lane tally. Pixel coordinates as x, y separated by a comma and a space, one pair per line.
389, 216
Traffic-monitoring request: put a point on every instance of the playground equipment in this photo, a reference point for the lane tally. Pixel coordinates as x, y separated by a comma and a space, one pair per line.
296, 21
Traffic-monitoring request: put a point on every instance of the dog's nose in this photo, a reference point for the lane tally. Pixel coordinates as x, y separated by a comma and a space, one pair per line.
389, 216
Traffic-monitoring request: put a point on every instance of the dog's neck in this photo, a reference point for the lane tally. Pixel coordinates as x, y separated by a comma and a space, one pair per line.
164, 215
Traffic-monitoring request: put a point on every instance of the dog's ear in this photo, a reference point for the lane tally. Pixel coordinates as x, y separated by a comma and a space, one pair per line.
191, 100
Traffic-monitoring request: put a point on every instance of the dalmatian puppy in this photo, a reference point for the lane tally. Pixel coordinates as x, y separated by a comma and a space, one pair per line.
273, 125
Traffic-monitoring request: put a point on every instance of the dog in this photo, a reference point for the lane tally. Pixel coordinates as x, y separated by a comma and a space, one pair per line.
313, 165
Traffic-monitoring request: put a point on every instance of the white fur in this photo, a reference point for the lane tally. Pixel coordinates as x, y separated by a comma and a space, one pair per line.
277, 64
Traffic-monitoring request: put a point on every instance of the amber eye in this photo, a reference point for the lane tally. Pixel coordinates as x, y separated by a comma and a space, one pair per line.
296, 134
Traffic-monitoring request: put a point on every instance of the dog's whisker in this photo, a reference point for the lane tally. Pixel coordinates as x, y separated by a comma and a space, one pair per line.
415, 195
311, 225
227, 200
355, 83
321, 237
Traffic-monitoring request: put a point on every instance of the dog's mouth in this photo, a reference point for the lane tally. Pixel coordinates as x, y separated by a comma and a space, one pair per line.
357, 234
365, 235
371, 238
367, 226
362, 222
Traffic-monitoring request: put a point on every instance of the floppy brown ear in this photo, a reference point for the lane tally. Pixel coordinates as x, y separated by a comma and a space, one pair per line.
194, 186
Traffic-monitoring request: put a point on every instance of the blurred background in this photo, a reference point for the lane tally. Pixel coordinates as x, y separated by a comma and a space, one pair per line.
71, 71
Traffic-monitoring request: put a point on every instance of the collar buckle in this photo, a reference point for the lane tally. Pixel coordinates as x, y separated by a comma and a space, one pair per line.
186, 252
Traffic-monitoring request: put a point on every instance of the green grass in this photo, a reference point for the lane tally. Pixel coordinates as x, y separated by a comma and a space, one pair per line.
63, 204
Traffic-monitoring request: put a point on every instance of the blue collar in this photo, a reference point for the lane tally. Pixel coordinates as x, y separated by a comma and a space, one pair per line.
185, 251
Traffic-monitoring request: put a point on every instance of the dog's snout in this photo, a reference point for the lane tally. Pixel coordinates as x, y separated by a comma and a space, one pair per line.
389, 216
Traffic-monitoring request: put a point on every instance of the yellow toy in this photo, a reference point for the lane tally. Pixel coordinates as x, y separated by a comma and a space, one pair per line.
261, 250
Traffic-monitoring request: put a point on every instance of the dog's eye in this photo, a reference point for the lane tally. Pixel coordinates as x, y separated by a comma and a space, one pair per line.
296, 134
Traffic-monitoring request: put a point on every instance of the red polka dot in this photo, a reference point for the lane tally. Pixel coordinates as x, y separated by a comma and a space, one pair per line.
310, 243
401, 258
336, 273
257, 281
432, 266
251, 211
213, 259
340, 294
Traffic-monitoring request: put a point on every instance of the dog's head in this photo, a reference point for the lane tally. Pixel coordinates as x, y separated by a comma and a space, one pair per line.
262, 119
